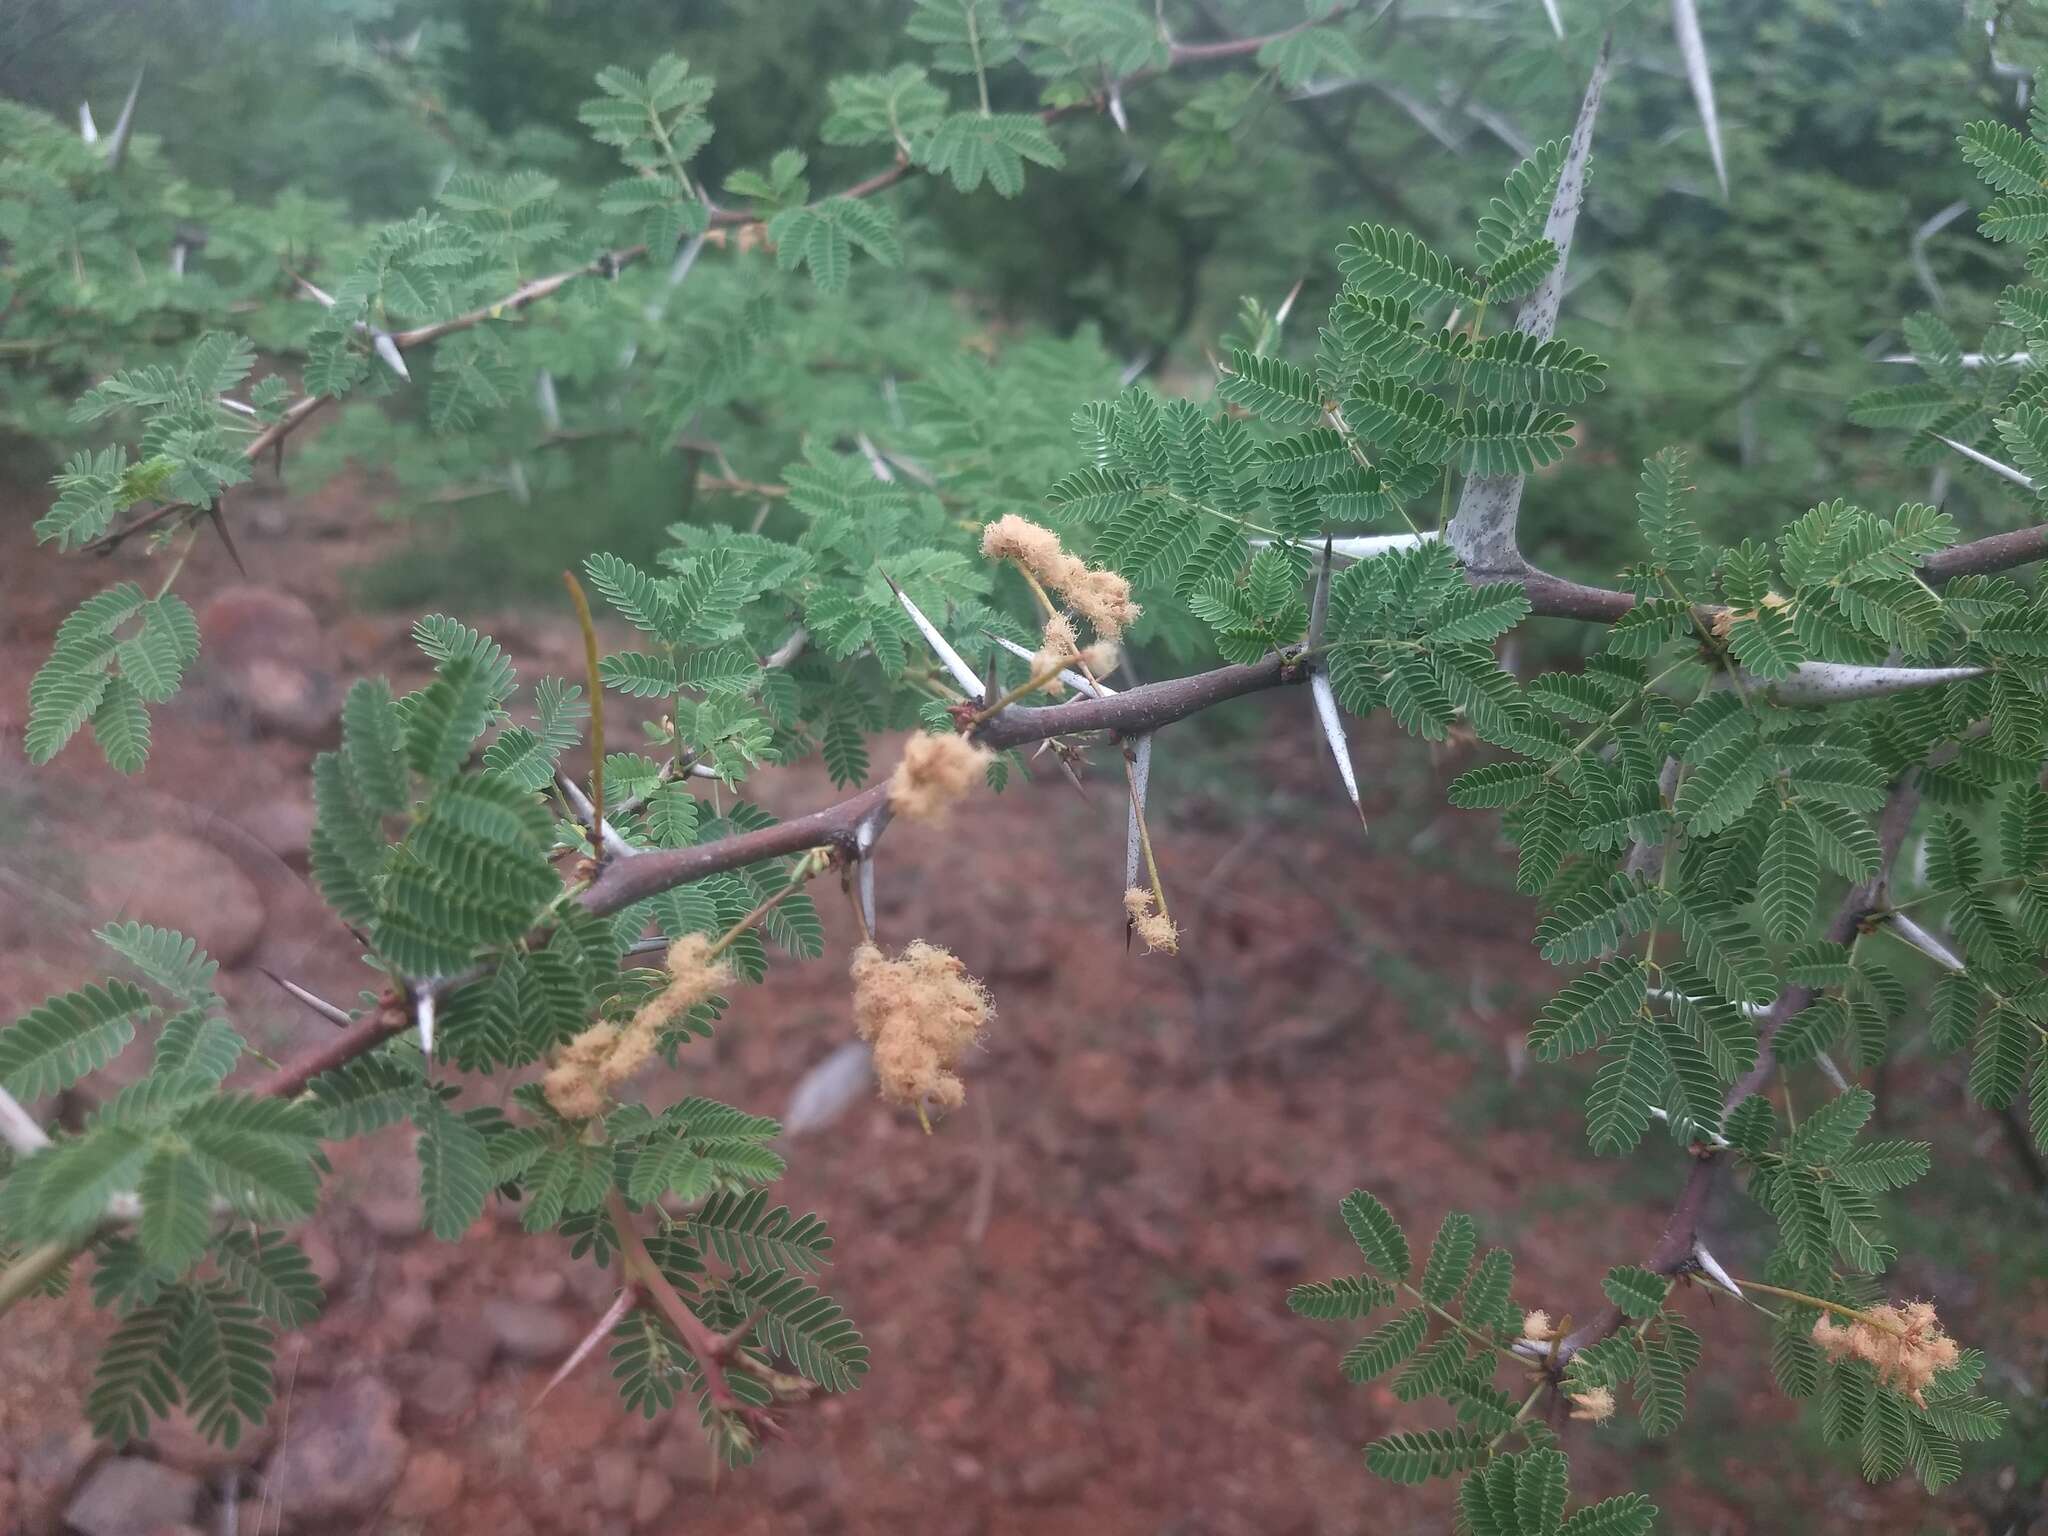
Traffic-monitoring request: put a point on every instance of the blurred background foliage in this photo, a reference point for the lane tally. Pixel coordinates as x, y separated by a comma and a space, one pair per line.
1738, 326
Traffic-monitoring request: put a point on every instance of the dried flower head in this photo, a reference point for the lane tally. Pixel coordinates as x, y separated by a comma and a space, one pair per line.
1595, 1406
603, 1056
573, 1085
1905, 1345
1536, 1325
1060, 644
920, 1012
1156, 929
1102, 658
1102, 597
936, 770
1059, 647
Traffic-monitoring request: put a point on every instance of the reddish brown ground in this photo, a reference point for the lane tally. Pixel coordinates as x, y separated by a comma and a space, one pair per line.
1074, 1291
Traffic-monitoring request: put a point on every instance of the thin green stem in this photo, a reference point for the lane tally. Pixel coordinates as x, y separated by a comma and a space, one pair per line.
1468, 1330
974, 47
1613, 719
1528, 1407
1839, 1309
1443, 510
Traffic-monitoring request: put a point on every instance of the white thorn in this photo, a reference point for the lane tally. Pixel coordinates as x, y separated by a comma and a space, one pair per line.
545, 398
826, 1092
1556, 21
1994, 465
1831, 1072
18, 1127
515, 481
1917, 248
1333, 732
1319, 606
328, 1011
686, 258
1712, 1138
1969, 360
1074, 680
178, 249
1141, 782
963, 674
788, 651
117, 141
613, 1316
864, 838
1831, 682
876, 462
88, 130
614, 844
1711, 1268
1692, 47
1532, 1349
388, 350
1747, 1010
236, 406
1287, 304
1905, 928
423, 1016
1116, 108
1367, 547
317, 294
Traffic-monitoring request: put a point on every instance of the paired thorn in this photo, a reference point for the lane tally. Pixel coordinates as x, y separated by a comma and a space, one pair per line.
117, 141
387, 349
220, 526
951, 659
1692, 47
615, 1314
423, 1018
1079, 682
1904, 928
1140, 757
18, 1128
1833, 682
615, 846
1996, 466
338, 1017
1367, 547
1711, 1268
546, 401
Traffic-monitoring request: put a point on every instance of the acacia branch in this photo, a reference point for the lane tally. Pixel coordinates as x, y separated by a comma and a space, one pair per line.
1673, 1252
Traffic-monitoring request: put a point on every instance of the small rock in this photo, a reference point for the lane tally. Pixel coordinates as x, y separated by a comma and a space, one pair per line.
46, 1466
392, 1213
539, 1285
181, 883
1055, 1478
344, 1455
1281, 1257
435, 1389
178, 1443
270, 653
127, 1496
431, 1484
283, 824
530, 1331
468, 1341
1096, 1086
652, 1494
615, 1479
